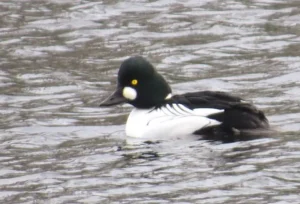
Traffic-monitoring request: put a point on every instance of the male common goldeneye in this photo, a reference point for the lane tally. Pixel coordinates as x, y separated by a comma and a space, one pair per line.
159, 114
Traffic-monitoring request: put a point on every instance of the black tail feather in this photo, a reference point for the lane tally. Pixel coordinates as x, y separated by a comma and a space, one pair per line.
227, 135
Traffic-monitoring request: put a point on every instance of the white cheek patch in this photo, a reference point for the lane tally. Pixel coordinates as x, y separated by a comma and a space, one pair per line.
129, 93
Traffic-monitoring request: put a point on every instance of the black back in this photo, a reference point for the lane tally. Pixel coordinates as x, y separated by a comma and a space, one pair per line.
238, 117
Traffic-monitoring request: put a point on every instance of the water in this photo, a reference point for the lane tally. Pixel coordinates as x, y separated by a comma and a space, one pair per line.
59, 59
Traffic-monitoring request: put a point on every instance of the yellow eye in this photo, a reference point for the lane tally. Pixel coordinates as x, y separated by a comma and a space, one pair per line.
134, 82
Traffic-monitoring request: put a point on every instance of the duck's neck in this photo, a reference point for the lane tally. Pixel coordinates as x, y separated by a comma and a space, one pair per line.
153, 93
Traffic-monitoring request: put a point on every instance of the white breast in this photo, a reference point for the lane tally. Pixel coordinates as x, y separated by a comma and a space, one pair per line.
170, 121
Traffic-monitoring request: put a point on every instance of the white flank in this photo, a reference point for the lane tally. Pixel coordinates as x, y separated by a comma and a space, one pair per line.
170, 121
129, 93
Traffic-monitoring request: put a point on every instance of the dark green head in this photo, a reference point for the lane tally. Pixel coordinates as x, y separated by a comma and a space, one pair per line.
139, 85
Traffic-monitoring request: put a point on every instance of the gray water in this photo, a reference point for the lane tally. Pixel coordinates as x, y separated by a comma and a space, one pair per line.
59, 59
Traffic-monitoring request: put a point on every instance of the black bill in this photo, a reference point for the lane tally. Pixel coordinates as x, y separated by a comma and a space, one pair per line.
114, 99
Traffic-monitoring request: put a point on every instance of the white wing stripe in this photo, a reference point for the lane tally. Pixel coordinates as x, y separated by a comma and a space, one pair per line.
171, 109
182, 107
179, 110
207, 111
164, 110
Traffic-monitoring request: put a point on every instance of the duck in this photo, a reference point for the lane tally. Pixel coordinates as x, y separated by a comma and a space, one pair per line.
157, 113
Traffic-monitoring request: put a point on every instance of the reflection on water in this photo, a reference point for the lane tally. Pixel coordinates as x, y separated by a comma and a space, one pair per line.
60, 58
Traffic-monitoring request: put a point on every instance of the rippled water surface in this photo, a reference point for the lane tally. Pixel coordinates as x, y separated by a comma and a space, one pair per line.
59, 59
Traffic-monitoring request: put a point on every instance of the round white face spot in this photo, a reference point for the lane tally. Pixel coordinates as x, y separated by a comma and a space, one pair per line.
129, 93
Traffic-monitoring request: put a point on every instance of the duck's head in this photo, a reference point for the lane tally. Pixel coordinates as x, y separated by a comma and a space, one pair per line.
139, 84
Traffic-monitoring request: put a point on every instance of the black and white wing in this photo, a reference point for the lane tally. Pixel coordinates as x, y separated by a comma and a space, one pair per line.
238, 113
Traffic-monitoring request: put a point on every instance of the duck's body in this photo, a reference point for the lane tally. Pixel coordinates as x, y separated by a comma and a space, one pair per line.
171, 120
158, 114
